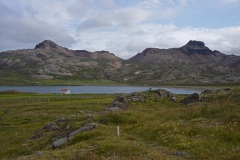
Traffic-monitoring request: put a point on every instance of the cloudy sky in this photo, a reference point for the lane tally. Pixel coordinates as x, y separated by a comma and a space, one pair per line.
123, 27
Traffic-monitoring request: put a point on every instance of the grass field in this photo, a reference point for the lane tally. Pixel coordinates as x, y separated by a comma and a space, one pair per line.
155, 129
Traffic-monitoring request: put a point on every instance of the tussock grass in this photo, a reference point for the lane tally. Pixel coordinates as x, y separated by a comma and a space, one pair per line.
156, 129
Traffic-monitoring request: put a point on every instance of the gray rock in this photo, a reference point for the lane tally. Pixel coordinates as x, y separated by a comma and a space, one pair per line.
112, 109
88, 127
135, 99
193, 98
62, 119
163, 93
59, 142
81, 112
88, 116
120, 102
179, 153
50, 127
173, 98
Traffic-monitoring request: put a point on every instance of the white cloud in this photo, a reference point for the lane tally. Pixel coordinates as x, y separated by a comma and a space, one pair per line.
127, 44
119, 26
18, 31
123, 18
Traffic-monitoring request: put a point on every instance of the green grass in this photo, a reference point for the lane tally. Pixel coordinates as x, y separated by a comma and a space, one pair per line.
156, 129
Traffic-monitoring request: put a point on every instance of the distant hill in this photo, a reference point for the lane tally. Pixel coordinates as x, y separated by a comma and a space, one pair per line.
191, 64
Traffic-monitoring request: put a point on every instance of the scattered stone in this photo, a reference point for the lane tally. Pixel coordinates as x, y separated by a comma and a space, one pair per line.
193, 98
81, 112
178, 153
51, 126
112, 109
88, 116
59, 142
89, 111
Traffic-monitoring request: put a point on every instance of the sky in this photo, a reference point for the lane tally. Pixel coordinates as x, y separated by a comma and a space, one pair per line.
122, 27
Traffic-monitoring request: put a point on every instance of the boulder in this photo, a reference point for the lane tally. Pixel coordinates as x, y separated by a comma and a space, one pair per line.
193, 98
120, 102
163, 93
135, 97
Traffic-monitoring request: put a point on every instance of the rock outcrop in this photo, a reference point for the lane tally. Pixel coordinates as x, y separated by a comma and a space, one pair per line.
59, 124
120, 102
62, 132
193, 98
47, 44
163, 93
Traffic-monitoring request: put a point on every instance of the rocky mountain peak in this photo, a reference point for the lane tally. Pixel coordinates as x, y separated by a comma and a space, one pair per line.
47, 44
195, 43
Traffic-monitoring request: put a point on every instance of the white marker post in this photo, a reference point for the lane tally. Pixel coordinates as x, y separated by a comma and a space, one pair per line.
118, 131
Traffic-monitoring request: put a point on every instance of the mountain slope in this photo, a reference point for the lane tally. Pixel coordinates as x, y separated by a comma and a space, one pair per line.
191, 64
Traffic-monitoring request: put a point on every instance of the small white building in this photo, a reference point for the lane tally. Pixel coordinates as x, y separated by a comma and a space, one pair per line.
65, 91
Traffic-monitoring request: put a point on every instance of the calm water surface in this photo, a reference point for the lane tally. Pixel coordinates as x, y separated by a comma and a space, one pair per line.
93, 89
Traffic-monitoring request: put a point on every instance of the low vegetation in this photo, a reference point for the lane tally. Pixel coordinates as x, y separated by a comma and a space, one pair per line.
155, 129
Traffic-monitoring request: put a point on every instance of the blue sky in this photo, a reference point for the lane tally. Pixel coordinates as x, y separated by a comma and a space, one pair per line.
123, 27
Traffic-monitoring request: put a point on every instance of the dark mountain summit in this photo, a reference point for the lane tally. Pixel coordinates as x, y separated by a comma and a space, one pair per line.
195, 43
198, 48
47, 44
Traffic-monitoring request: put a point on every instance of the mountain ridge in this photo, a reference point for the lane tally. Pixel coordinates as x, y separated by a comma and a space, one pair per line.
191, 64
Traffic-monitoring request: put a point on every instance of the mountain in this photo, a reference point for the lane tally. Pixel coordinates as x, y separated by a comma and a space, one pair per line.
49, 64
49, 61
50, 46
191, 64
192, 51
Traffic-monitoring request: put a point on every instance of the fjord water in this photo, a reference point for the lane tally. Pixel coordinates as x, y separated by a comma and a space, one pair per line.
93, 89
